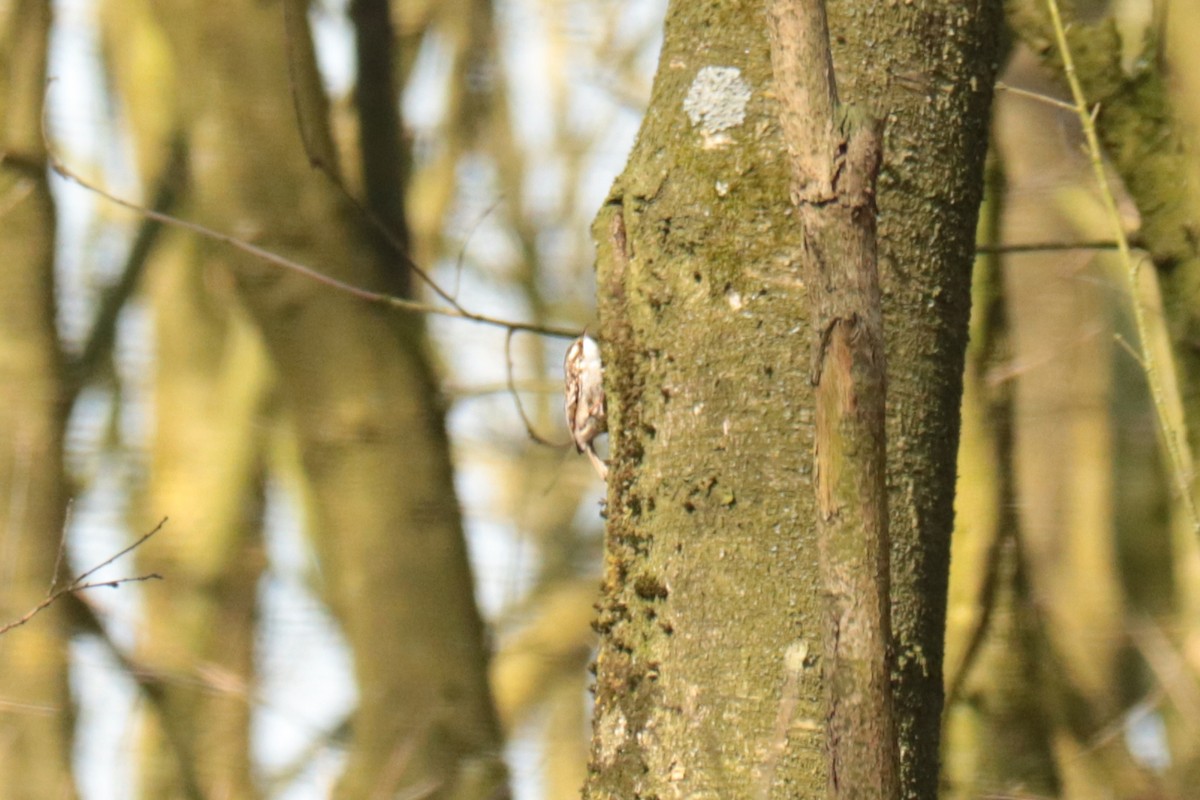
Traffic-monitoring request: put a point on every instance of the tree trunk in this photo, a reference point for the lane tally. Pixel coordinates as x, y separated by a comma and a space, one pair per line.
36, 716
835, 152
371, 433
708, 675
999, 726
928, 68
207, 461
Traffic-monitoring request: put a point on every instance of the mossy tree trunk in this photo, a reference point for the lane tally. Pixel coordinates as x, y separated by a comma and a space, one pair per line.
927, 69
708, 676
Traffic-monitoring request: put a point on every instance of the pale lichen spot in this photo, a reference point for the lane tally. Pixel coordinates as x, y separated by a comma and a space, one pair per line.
716, 101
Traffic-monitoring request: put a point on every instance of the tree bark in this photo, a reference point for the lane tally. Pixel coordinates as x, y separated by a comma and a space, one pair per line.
928, 70
835, 153
708, 674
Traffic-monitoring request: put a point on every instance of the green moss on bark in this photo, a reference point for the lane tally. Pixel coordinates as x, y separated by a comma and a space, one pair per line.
706, 343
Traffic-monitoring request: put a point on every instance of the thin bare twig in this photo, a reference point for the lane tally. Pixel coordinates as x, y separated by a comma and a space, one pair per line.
144, 538
388, 235
1041, 98
81, 583
312, 118
61, 555
462, 251
72, 589
1171, 669
463, 391
1128, 348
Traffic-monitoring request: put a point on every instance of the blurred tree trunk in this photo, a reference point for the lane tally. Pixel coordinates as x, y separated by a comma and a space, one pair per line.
1062, 316
383, 157
998, 736
36, 716
375, 454
708, 679
206, 469
1037, 703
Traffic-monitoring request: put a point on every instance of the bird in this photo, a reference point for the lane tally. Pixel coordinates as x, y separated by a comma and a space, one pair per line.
583, 389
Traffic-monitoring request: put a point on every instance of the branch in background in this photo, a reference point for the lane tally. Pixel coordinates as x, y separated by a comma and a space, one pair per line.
103, 330
1172, 670
309, 100
81, 583
989, 349
320, 153
1042, 247
382, 152
338, 735
1006, 543
456, 392
468, 235
455, 311
835, 153
152, 685
1039, 96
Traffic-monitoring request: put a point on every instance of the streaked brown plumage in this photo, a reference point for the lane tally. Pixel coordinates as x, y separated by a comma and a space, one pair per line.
584, 389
